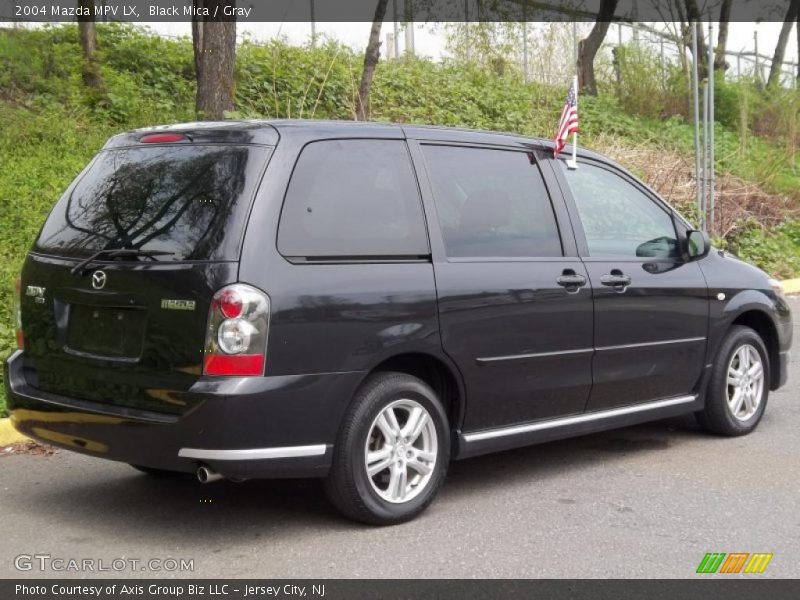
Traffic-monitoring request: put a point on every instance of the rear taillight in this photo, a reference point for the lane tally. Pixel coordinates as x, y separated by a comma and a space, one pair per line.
236, 338
18, 314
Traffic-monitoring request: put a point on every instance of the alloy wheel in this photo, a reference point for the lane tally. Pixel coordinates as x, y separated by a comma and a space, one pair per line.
401, 451
745, 382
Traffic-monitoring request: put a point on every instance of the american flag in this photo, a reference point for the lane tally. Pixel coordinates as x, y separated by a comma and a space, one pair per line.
569, 119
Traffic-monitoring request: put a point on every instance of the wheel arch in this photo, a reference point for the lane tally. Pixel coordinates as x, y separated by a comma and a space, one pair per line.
760, 321
443, 377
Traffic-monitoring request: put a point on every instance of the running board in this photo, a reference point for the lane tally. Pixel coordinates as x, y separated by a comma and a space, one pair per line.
504, 438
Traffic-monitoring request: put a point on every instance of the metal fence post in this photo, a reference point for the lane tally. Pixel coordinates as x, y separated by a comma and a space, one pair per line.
395, 17
313, 22
711, 167
696, 102
468, 49
525, 40
758, 61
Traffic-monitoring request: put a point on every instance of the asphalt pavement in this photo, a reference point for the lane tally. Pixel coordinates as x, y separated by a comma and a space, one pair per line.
645, 501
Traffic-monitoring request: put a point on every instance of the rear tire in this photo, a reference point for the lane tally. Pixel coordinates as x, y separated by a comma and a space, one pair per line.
739, 387
392, 451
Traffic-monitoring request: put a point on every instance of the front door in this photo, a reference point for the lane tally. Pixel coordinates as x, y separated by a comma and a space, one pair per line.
651, 306
515, 306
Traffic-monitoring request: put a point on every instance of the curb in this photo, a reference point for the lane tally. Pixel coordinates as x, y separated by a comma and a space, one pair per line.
9, 435
791, 286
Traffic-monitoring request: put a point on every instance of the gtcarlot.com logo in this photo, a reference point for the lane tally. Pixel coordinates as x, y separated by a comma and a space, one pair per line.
46, 562
735, 562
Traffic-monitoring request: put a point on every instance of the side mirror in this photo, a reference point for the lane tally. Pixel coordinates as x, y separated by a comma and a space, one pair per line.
698, 244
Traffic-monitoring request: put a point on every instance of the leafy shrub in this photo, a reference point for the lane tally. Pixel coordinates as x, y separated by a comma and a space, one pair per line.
776, 251
643, 81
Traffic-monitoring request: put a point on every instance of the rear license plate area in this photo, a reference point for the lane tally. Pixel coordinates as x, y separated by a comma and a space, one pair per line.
106, 331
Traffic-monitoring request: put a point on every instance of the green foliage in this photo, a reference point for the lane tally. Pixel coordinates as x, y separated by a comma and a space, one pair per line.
41, 152
644, 84
276, 80
640, 76
51, 128
775, 251
728, 98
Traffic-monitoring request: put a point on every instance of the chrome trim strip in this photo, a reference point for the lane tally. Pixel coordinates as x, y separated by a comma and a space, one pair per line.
575, 420
254, 453
534, 355
588, 350
645, 344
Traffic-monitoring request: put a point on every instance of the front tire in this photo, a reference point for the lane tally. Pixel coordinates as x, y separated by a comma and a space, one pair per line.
739, 386
392, 452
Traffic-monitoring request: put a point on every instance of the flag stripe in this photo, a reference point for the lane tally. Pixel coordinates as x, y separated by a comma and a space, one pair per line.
568, 123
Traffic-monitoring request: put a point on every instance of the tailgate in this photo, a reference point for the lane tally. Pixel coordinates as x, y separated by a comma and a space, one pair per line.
136, 342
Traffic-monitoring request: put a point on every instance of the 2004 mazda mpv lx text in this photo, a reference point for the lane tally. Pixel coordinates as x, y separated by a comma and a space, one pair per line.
365, 302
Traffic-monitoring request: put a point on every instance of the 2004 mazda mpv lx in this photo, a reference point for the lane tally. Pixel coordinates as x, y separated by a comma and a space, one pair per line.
364, 302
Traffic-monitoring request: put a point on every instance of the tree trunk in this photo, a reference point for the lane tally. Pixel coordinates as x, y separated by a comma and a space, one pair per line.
214, 43
780, 47
694, 19
197, 37
797, 27
90, 71
587, 48
720, 64
371, 56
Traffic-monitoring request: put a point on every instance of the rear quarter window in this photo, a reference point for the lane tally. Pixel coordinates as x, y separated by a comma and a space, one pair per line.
190, 200
353, 199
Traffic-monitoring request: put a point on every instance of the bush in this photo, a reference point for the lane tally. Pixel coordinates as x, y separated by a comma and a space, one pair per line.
649, 87
776, 251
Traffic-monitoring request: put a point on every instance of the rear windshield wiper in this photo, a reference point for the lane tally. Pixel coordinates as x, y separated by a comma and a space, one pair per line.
113, 253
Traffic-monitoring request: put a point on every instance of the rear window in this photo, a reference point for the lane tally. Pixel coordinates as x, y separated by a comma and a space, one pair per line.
353, 198
190, 200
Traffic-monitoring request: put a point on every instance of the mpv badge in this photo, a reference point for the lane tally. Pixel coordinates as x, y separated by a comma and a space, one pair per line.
99, 280
177, 304
35, 291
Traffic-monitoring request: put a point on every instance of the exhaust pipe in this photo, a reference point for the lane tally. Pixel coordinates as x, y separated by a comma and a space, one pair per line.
206, 475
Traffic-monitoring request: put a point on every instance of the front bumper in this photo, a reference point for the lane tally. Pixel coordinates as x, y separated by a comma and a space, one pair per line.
249, 427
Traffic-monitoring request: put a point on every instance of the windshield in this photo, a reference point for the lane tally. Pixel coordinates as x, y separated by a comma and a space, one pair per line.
191, 201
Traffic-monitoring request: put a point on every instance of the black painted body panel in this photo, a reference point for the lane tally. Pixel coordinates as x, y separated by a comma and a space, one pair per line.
745, 290
634, 361
522, 343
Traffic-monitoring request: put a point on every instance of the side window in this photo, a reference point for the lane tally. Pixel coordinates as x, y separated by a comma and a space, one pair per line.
353, 198
491, 203
618, 219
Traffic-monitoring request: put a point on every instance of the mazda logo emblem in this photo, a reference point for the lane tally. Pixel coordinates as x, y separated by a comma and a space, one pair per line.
98, 280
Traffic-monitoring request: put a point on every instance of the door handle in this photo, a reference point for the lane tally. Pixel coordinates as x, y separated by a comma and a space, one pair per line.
571, 281
616, 279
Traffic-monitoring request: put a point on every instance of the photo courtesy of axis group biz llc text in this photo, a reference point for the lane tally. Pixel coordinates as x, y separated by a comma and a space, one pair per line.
393, 299
168, 589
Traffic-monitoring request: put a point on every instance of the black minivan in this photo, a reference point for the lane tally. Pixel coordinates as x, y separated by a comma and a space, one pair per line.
365, 302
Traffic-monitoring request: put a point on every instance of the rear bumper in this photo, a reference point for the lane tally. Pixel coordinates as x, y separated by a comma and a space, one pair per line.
282, 426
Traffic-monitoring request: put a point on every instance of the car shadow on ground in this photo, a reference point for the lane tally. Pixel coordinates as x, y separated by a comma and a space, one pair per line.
554, 459
219, 512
